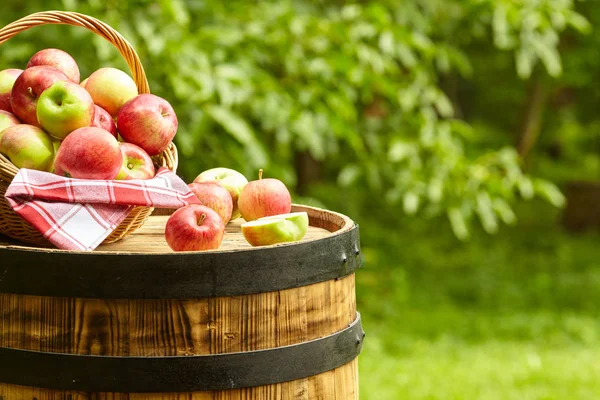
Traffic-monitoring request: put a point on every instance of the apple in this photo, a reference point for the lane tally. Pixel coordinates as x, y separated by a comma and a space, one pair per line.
64, 107
276, 229
28, 146
148, 121
83, 82
7, 119
59, 59
111, 88
230, 179
263, 198
7, 80
28, 87
89, 153
102, 119
194, 227
137, 164
214, 196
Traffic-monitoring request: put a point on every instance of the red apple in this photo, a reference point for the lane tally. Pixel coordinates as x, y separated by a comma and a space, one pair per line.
264, 197
230, 179
137, 164
64, 107
89, 153
214, 196
111, 88
59, 59
102, 119
193, 228
28, 87
28, 146
148, 121
6, 120
7, 80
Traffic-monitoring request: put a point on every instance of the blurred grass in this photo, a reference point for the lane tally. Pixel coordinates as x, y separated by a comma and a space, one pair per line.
510, 316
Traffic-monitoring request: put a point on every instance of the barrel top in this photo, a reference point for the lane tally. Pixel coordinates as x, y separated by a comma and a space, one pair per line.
150, 237
143, 266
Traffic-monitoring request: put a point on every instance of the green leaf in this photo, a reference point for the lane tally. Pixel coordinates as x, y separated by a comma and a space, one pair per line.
458, 223
348, 175
410, 202
239, 129
400, 150
550, 192
486, 213
525, 62
503, 209
526, 189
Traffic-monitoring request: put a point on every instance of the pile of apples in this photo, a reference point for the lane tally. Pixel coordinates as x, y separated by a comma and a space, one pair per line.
225, 194
100, 128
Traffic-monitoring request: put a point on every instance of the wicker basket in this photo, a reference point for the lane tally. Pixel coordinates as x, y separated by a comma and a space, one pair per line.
11, 224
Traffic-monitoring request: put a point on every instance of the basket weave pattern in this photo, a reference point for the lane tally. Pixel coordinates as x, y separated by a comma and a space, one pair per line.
11, 224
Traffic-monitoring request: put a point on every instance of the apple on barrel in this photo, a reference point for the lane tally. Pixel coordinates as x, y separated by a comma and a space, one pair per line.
276, 229
214, 196
230, 179
194, 228
263, 198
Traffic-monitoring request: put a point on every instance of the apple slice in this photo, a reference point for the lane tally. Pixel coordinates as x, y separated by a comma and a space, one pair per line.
276, 229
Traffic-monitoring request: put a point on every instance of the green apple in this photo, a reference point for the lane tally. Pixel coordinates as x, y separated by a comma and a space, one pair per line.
230, 179
28, 146
64, 107
276, 229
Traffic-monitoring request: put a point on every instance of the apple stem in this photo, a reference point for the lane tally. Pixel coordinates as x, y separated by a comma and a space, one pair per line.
202, 218
30, 91
260, 172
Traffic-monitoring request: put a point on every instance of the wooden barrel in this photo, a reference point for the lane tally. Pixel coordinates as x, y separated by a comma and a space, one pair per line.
133, 320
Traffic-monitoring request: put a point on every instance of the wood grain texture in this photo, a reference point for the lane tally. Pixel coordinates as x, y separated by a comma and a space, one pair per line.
166, 327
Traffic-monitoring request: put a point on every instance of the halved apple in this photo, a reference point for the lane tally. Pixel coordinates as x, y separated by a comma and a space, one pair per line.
276, 229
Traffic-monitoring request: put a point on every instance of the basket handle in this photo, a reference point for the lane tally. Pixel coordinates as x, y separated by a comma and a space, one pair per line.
90, 23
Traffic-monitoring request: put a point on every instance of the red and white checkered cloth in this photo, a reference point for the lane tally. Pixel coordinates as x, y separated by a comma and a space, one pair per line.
78, 214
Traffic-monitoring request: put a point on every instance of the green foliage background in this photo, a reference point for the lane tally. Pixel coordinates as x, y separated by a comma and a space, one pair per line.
413, 114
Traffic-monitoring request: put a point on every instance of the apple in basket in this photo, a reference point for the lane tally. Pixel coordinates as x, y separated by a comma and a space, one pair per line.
263, 198
111, 88
194, 227
214, 196
230, 179
64, 107
276, 229
137, 164
28, 87
102, 119
148, 121
58, 59
89, 153
7, 119
7, 80
28, 146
